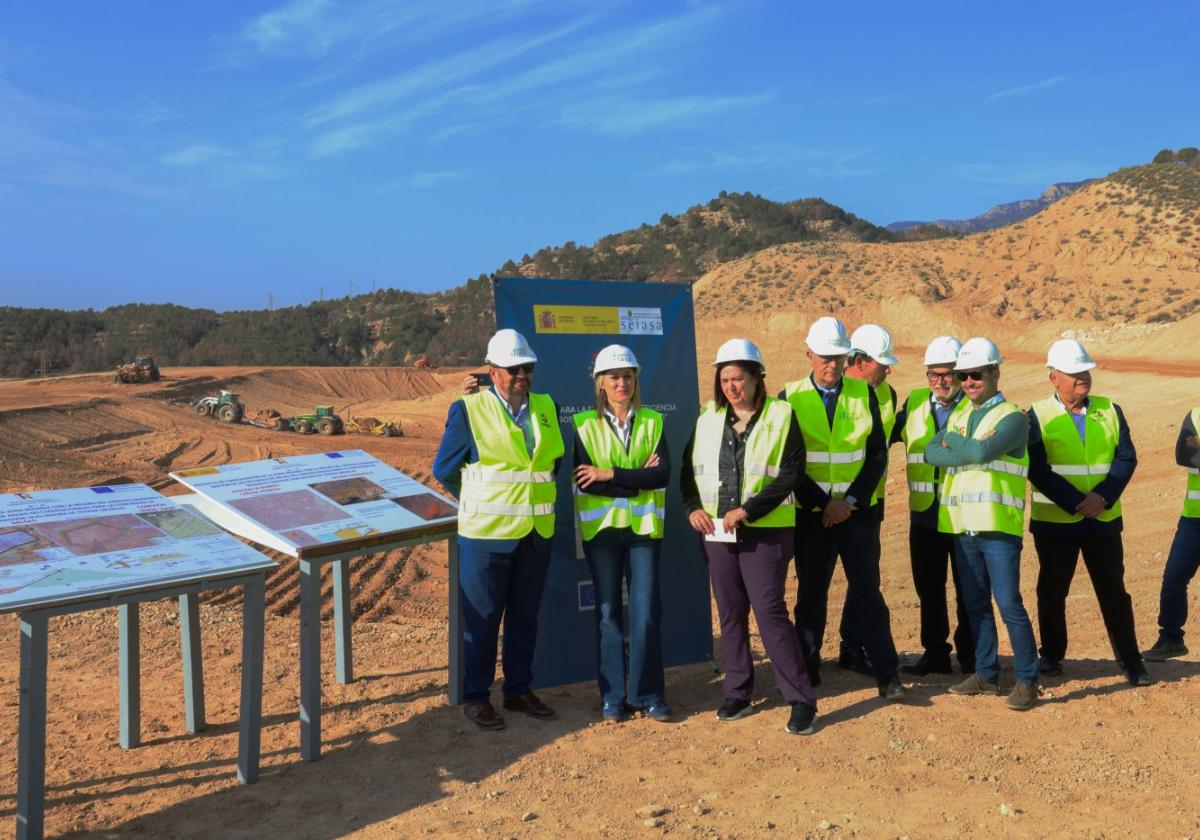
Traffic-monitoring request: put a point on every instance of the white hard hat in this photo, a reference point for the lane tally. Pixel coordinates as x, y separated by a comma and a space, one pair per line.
943, 350
739, 350
1069, 356
977, 353
614, 357
827, 337
874, 341
508, 348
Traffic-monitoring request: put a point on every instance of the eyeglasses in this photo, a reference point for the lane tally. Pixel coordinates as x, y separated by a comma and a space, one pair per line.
973, 375
934, 376
515, 369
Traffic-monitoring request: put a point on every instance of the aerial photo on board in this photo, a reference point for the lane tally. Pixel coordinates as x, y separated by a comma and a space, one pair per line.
791, 415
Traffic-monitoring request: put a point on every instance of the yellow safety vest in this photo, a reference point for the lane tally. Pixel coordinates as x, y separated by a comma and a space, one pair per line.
643, 513
886, 396
920, 428
1191, 502
833, 457
984, 497
1083, 463
764, 454
508, 492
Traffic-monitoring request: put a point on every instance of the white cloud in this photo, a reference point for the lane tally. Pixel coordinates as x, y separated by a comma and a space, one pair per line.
195, 154
631, 117
1023, 89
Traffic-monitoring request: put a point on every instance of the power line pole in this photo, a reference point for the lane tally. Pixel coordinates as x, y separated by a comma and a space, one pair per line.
321, 292
270, 302
351, 288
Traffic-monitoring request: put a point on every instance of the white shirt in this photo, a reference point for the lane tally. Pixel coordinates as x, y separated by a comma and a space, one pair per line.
623, 430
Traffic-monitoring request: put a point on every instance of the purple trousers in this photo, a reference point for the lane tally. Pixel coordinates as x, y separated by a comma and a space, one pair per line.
752, 573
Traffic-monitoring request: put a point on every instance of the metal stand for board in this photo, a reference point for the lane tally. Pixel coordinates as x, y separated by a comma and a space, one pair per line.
310, 626
31, 749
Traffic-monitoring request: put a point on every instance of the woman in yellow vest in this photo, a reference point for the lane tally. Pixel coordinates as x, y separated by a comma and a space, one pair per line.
621, 473
737, 478
1184, 559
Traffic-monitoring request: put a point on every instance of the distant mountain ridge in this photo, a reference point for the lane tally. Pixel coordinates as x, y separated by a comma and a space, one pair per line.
1001, 214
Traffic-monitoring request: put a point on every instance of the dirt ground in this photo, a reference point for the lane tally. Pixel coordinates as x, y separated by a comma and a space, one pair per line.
1094, 759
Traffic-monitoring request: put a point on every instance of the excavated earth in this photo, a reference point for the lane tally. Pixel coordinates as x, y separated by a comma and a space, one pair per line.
1094, 759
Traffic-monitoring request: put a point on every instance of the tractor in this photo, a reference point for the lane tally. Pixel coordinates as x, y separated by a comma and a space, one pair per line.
141, 369
322, 420
225, 407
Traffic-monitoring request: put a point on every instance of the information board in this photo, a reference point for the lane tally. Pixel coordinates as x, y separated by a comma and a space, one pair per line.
307, 501
567, 322
64, 545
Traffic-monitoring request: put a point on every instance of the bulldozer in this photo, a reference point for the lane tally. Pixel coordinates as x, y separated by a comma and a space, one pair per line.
322, 420
225, 407
373, 426
141, 369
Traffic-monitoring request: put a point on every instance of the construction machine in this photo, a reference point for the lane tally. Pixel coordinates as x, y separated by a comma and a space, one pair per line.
225, 407
322, 420
141, 369
373, 426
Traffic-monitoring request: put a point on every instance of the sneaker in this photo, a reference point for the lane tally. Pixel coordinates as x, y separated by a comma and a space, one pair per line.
1023, 698
927, 665
660, 712
611, 710
801, 721
1164, 650
973, 685
1050, 667
733, 709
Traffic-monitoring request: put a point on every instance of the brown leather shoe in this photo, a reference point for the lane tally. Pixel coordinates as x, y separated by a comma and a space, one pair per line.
483, 714
529, 704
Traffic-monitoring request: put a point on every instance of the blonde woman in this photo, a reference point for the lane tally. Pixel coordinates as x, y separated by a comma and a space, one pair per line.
621, 474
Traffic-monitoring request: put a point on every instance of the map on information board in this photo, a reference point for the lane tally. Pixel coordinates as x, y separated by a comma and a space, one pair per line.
64, 545
295, 503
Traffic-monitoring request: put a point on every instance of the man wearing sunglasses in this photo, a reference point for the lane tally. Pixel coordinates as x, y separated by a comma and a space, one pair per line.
925, 413
1081, 457
983, 452
499, 455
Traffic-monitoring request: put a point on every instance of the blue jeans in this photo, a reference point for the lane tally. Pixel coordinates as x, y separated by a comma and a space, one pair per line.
493, 586
614, 555
989, 566
1181, 567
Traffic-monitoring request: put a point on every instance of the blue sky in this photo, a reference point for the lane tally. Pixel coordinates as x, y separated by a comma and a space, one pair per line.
208, 154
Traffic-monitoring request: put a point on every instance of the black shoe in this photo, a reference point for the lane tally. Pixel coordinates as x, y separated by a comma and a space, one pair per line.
1138, 677
801, 721
1164, 650
894, 691
856, 660
929, 665
733, 709
1049, 667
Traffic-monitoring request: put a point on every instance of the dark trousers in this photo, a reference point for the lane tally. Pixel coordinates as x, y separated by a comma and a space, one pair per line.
930, 551
753, 573
1181, 567
492, 587
617, 555
817, 548
1104, 557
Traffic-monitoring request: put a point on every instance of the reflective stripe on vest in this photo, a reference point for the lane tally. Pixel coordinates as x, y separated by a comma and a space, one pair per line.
1082, 462
984, 497
763, 456
834, 457
1191, 501
643, 513
886, 395
919, 428
507, 493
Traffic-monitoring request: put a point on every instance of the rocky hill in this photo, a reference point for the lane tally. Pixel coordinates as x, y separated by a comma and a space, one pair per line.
1117, 262
998, 216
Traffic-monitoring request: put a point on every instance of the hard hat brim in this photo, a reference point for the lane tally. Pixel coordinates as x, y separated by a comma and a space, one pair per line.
828, 349
511, 361
1072, 369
